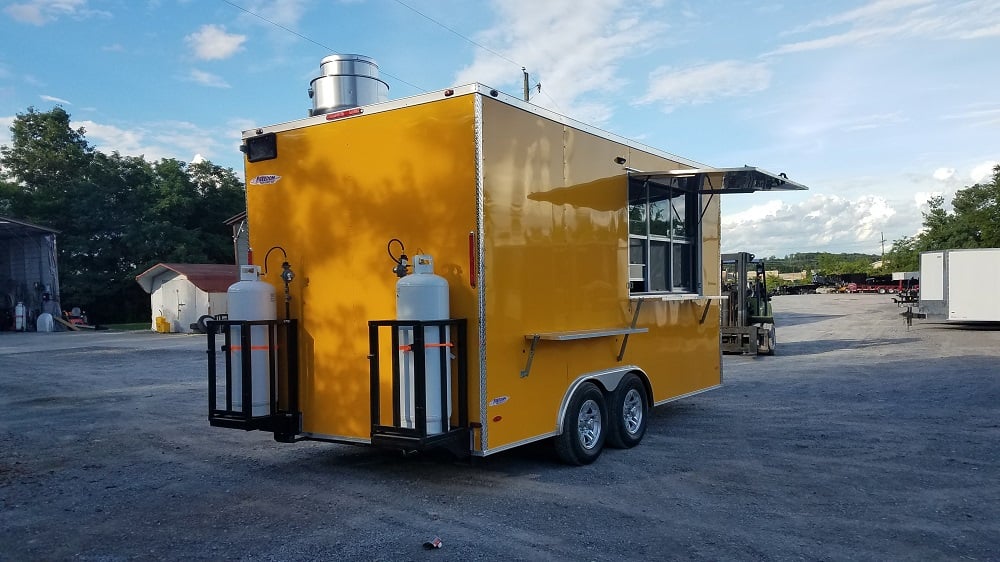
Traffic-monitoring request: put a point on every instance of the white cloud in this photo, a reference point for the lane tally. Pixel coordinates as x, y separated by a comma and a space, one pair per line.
952, 180
573, 47
983, 172
769, 209
207, 79
41, 12
854, 220
241, 124
921, 198
944, 174
819, 223
211, 42
979, 33
986, 116
5, 124
54, 99
703, 83
109, 138
884, 20
867, 122
872, 11
156, 140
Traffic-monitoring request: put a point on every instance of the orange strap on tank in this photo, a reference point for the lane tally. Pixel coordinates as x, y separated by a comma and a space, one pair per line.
410, 347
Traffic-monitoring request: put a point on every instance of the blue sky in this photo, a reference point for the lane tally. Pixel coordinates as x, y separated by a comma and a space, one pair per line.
874, 104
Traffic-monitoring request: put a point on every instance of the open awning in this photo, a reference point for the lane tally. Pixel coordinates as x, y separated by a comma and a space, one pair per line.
721, 180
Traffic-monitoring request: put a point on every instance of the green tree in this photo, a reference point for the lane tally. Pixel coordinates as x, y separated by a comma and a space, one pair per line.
973, 223
117, 215
977, 212
43, 161
904, 255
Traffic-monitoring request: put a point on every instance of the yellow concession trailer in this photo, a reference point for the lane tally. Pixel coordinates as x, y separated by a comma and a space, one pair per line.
462, 269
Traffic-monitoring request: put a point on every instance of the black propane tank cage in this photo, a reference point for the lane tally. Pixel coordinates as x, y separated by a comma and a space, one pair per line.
455, 437
283, 417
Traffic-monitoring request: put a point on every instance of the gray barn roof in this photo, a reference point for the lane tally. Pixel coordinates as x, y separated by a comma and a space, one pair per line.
13, 228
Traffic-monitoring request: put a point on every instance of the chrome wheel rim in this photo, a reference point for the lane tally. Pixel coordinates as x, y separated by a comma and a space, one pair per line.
589, 424
632, 411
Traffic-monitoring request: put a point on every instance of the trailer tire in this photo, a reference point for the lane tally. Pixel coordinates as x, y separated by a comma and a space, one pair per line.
202, 325
629, 407
584, 426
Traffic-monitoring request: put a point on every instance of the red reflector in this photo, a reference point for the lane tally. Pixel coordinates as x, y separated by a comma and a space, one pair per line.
497, 418
344, 113
448, 92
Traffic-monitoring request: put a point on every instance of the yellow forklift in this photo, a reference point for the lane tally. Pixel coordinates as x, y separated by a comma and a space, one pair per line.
747, 321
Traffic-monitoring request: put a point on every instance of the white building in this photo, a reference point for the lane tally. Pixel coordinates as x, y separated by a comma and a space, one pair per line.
182, 293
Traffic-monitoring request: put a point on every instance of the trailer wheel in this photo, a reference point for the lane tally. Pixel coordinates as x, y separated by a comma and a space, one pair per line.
629, 413
584, 427
201, 325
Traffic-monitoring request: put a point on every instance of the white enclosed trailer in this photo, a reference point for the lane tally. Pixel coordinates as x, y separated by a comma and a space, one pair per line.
959, 285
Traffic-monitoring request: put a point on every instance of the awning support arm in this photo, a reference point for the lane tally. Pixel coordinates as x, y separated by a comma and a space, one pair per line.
711, 194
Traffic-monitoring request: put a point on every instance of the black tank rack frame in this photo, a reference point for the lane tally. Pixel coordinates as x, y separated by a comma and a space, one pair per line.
283, 417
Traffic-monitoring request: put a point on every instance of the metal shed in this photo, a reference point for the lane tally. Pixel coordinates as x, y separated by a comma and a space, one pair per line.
241, 237
29, 271
182, 292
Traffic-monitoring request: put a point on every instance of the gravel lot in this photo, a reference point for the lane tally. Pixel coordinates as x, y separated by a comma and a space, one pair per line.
860, 440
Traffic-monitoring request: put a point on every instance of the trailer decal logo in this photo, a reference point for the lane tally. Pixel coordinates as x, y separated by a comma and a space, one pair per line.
266, 179
499, 400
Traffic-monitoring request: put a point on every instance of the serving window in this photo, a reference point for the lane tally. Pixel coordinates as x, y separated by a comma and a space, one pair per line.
663, 233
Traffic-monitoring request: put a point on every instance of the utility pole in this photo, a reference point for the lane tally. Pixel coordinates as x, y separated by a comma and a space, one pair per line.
882, 234
526, 86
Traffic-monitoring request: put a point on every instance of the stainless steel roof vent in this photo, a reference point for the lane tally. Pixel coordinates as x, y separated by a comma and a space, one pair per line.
346, 81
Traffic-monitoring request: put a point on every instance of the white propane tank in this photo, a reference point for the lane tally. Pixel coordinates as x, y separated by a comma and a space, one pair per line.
20, 317
422, 295
251, 299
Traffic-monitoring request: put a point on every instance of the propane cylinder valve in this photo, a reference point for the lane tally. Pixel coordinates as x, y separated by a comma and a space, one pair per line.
286, 273
401, 265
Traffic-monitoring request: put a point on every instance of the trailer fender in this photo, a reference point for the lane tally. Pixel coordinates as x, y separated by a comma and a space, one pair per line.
607, 380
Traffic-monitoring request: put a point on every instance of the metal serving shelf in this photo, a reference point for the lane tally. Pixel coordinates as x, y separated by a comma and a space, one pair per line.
585, 334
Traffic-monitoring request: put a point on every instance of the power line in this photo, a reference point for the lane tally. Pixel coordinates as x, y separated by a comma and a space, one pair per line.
546, 94
313, 41
276, 24
408, 7
480, 45
483, 47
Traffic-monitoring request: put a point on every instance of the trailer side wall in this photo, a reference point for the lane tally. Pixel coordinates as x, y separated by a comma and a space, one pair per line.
557, 260
972, 275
